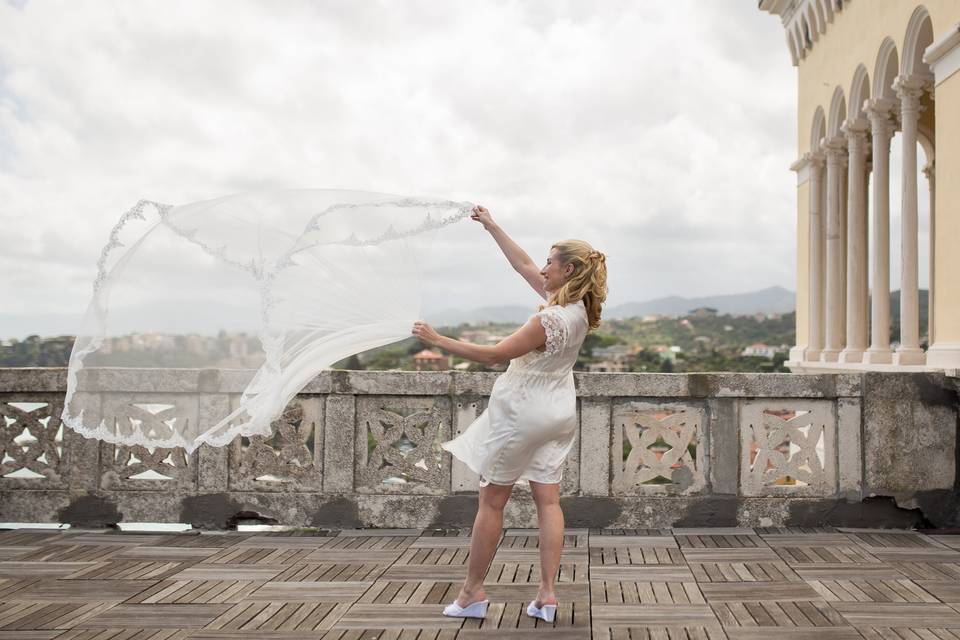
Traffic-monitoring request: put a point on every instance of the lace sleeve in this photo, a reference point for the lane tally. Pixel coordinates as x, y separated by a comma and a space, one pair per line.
556, 330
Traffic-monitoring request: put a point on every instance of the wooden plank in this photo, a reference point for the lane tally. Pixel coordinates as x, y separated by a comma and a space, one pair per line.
390, 616
633, 541
81, 590
897, 614
807, 539
309, 591
170, 554
525, 592
19, 569
155, 616
206, 571
764, 591
803, 633
730, 555
943, 591
643, 573
841, 571
384, 556
546, 633
440, 573
655, 614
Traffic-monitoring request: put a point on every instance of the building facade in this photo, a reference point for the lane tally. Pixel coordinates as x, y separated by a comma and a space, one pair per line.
869, 71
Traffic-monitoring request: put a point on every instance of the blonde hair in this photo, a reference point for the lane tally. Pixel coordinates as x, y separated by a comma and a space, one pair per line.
587, 282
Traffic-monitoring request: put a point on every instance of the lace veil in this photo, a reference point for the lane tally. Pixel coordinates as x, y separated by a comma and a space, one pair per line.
285, 283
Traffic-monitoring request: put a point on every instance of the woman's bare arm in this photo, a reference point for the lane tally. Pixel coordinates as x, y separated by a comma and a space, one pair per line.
524, 340
516, 256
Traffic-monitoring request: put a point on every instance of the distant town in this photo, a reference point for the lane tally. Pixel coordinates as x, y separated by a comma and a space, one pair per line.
700, 340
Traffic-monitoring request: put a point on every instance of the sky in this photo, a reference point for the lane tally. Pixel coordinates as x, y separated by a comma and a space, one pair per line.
660, 132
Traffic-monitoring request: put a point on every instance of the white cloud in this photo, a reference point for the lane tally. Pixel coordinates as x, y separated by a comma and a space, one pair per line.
660, 132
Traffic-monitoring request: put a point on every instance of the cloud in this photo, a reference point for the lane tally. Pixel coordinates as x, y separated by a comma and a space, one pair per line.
660, 132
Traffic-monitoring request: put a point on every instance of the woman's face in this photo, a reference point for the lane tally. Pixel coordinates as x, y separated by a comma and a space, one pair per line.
554, 272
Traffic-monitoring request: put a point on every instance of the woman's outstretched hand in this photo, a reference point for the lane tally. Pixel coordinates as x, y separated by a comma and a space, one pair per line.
482, 215
425, 332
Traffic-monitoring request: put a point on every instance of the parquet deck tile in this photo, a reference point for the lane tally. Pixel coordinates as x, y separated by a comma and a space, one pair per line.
729, 583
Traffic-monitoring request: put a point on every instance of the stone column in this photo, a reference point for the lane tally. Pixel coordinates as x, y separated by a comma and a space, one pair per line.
856, 311
835, 149
879, 112
930, 172
909, 89
815, 345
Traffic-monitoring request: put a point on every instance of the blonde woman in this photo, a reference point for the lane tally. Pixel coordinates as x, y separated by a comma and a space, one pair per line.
530, 423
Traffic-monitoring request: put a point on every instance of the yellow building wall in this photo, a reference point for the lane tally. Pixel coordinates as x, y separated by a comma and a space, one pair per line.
946, 273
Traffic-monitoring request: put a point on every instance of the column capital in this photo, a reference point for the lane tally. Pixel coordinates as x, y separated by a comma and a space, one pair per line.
833, 143
814, 159
930, 170
835, 149
910, 89
880, 112
856, 131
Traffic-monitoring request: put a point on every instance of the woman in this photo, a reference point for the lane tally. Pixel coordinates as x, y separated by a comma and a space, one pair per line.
530, 423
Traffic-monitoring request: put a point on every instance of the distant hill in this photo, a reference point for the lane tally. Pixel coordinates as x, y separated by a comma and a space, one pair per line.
770, 300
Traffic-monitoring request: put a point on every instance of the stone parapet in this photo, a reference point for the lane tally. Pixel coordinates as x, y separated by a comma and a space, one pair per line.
361, 449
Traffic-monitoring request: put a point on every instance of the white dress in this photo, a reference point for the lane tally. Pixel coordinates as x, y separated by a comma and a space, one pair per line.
530, 422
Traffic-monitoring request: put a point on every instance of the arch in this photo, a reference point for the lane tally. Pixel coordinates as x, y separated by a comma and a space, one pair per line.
838, 112
818, 130
859, 91
885, 70
806, 31
827, 8
813, 21
919, 36
792, 46
816, 11
926, 140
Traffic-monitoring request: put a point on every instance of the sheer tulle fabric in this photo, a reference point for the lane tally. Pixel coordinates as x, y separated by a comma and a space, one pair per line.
283, 282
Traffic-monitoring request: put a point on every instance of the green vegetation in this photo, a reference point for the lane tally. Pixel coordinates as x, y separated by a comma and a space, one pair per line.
701, 341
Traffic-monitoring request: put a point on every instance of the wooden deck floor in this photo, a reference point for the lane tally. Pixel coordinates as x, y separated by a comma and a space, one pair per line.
392, 584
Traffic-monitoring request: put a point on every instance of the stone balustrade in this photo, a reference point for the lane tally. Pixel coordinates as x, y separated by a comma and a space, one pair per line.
361, 449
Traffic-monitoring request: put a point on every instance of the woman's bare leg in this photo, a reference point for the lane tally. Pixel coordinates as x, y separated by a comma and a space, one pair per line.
487, 527
550, 517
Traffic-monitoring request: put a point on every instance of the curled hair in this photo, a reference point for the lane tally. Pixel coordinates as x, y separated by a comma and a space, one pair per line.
587, 282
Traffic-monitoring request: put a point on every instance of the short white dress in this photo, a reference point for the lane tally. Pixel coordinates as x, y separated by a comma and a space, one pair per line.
530, 423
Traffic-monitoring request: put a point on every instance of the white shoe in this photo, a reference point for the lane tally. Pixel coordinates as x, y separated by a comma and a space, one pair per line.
548, 612
473, 610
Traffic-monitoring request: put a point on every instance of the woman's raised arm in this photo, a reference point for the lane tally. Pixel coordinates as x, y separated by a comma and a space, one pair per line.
517, 257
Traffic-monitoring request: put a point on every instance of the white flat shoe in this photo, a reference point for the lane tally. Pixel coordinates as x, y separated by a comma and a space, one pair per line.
473, 610
548, 612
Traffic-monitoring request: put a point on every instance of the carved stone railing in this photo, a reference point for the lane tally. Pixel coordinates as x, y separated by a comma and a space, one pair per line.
360, 448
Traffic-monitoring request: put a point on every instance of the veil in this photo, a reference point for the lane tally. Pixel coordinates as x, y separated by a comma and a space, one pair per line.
284, 282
